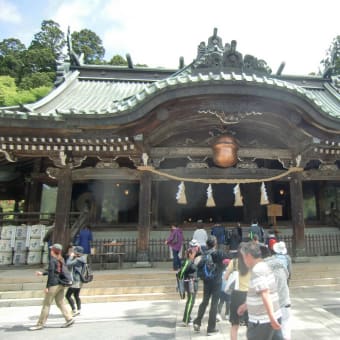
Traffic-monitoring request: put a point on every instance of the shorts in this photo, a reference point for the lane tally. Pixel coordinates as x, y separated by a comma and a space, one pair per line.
236, 300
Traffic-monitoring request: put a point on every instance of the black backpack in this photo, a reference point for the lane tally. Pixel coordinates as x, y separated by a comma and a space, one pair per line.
206, 268
86, 274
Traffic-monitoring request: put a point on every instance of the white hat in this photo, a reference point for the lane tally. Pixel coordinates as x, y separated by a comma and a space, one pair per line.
280, 248
193, 243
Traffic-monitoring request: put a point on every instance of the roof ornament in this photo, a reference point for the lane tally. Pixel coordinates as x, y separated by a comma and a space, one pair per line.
217, 58
74, 58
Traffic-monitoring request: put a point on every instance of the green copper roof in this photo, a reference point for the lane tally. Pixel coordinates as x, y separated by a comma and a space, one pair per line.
82, 96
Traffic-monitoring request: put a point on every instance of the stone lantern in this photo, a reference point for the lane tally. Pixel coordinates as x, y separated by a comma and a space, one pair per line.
225, 151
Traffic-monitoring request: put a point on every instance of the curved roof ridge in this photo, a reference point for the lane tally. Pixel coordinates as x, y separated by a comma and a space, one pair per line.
264, 80
70, 77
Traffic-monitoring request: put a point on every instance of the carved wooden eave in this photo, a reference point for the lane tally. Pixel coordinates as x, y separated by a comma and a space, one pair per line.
57, 148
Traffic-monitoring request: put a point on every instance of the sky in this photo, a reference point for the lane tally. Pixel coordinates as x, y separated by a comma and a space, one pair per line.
159, 32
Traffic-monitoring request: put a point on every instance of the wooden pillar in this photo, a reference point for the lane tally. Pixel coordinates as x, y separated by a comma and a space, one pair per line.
62, 231
33, 190
155, 205
144, 222
296, 195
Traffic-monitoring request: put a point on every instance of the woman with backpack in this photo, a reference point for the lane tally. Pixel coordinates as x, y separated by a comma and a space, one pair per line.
188, 273
238, 296
54, 289
75, 263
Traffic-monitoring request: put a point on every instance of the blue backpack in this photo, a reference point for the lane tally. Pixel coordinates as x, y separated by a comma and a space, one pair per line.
206, 268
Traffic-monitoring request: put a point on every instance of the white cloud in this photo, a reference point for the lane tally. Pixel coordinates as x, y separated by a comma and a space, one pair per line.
9, 13
77, 14
157, 32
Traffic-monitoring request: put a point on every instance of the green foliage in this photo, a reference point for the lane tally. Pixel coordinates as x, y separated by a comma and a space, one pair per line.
50, 37
332, 58
35, 80
118, 60
10, 95
11, 51
11, 46
88, 43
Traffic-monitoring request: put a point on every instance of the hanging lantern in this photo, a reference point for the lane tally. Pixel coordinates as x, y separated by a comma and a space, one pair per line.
210, 200
238, 197
264, 196
225, 151
180, 196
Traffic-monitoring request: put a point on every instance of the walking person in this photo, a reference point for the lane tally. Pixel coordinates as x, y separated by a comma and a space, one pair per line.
262, 302
238, 296
224, 298
218, 231
280, 252
75, 263
211, 287
54, 290
281, 276
175, 242
188, 272
85, 239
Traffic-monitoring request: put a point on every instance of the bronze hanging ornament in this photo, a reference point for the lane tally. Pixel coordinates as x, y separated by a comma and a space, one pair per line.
225, 151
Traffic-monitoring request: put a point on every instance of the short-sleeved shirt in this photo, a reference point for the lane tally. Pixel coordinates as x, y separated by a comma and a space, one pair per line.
262, 278
243, 279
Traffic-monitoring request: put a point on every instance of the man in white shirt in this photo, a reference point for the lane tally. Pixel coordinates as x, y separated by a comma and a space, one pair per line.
262, 298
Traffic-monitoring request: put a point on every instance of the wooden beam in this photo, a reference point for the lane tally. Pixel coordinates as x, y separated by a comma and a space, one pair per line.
179, 152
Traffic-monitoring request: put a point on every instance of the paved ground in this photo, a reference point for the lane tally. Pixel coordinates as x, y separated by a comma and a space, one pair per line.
314, 317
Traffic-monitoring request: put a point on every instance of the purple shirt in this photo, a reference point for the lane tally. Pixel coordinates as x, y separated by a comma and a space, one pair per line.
175, 239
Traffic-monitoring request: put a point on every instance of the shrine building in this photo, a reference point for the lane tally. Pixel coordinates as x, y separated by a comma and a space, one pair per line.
222, 138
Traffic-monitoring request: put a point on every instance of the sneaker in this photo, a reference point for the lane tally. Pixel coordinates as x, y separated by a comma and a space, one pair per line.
197, 327
213, 332
190, 323
76, 312
68, 323
218, 317
36, 328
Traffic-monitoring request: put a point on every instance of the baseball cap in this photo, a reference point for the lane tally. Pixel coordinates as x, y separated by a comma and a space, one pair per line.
78, 250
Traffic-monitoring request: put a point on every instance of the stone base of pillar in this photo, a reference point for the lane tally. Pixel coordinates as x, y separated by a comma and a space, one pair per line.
142, 264
300, 259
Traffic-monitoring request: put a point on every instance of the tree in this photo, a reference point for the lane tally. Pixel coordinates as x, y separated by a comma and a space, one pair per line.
11, 46
37, 79
118, 60
11, 51
331, 62
88, 43
50, 37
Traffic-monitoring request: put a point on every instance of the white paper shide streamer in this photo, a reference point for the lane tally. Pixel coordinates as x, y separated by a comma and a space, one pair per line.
238, 197
264, 196
180, 196
210, 200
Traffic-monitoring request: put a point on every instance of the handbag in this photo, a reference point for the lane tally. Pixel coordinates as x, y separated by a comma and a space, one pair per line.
233, 280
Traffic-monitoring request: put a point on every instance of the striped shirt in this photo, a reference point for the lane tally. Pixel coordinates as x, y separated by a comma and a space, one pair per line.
262, 279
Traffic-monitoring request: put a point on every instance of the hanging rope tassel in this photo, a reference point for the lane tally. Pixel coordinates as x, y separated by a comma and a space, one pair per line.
238, 197
264, 196
210, 200
180, 196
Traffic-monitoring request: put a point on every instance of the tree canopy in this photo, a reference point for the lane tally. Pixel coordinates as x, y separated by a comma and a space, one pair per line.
88, 43
331, 62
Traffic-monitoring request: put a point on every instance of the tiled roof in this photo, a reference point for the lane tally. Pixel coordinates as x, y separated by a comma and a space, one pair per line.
83, 96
